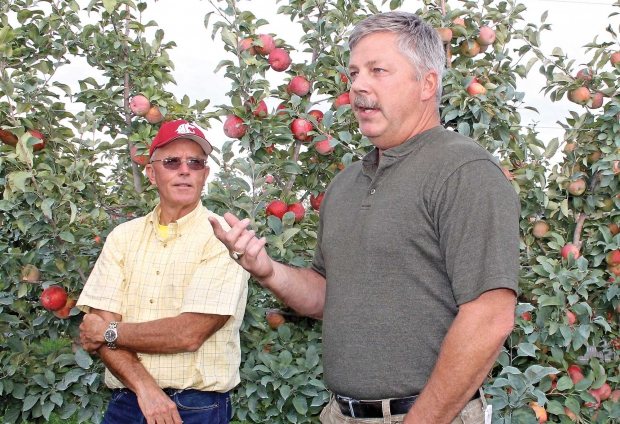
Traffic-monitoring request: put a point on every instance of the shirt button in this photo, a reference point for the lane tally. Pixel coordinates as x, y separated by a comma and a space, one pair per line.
372, 191
151, 301
157, 272
140, 358
165, 245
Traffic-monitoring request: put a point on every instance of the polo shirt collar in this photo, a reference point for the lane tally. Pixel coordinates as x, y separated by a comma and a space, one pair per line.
370, 162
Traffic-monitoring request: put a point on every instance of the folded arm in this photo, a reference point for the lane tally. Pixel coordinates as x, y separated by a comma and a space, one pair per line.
183, 333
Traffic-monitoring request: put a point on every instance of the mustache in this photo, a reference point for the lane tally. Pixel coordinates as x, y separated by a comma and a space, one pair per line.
363, 102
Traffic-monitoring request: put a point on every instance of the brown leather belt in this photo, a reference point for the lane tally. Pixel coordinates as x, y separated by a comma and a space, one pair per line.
373, 408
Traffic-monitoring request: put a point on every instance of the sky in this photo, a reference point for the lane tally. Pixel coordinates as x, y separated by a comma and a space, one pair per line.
573, 22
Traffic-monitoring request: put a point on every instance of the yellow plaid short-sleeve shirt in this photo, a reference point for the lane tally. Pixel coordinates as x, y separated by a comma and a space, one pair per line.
144, 277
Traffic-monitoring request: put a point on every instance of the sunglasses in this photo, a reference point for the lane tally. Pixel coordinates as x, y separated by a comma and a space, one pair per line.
175, 163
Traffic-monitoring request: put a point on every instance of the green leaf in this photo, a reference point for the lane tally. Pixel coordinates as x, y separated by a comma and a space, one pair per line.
46, 207
301, 405
29, 402
67, 236
83, 359
109, 5
18, 179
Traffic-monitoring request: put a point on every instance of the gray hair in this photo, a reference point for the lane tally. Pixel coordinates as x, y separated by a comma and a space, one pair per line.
417, 40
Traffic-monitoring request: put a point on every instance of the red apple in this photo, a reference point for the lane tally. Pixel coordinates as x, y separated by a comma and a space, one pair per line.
571, 317
577, 187
576, 377
139, 105
614, 269
30, 273
277, 208
234, 127
580, 95
65, 311
268, 44
541, 413
275, 320
527, 316
486, 37
615, 395
97, 239
246, 46
315, 202
597, 100
54, 298
259, 111
613, 228
8, 138
476, 88
323, 146
613, 257
584, 74
279, 59
301, 128
342, 99
614, 58
616, 167
540, 229
280, 107
37, 134
141, 160
458, 21
604, 392
598, 400
570, 249
269, 179
570, 414
298, 210
445, 34
574, 369
298, 85
470, 48
317, 114
154, 116
344, 78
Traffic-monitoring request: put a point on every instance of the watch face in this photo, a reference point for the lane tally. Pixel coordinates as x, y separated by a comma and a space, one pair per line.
109, 336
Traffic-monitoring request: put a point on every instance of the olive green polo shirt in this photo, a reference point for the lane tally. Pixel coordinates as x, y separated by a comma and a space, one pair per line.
402, 243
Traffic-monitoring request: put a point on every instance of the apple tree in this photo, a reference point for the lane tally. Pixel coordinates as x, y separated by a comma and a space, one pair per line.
67, 180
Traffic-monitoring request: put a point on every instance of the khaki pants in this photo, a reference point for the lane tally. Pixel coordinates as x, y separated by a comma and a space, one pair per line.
473, 413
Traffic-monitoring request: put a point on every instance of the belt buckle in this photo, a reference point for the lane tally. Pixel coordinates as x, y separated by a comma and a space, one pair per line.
350, 402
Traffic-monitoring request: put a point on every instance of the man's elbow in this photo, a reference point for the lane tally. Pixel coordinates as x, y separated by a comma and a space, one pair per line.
504, 324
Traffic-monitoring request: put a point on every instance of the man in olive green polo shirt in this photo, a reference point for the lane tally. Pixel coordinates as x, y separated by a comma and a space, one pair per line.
415, 270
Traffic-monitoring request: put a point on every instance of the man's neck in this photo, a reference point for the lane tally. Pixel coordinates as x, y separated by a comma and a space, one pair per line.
168, 214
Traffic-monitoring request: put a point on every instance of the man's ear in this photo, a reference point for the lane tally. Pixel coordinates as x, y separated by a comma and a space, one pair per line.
431, 81
150, 172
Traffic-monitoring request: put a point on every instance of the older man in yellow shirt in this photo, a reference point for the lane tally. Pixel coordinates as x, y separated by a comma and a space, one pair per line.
165, 300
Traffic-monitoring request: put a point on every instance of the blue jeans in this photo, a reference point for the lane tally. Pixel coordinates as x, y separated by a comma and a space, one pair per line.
195, 407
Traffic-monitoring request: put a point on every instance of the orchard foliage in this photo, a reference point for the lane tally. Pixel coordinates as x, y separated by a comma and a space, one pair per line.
59, 203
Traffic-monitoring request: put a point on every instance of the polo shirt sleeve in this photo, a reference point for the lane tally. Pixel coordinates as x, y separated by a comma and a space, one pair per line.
104, 288
477, 216
219, 284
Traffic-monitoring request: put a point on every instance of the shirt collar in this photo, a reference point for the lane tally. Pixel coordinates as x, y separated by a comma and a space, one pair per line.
370, 162
179, 223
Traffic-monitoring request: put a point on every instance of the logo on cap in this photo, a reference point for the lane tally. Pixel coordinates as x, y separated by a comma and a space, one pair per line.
186, 128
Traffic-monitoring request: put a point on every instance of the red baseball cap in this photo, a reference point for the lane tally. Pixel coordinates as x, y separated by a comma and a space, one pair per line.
173, 130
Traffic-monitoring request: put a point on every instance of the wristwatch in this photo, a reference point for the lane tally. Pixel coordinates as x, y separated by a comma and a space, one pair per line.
111, 334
